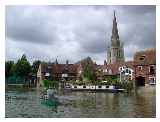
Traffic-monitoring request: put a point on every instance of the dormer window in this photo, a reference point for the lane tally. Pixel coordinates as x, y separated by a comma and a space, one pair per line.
142, 57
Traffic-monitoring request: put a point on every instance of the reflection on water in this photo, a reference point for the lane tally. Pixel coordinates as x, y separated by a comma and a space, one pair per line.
83, 104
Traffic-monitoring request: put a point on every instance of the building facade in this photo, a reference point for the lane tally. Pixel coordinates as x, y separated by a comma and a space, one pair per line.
145, 67
57, 72
64, 72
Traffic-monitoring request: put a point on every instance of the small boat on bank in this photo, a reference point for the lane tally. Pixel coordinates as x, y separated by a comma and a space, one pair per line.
107, 88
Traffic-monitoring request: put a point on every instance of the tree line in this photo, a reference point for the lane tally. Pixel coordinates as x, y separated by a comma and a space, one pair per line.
22, 68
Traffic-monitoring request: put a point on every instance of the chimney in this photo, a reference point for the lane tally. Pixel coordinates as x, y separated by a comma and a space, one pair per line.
105, 63
56, 62
67, 62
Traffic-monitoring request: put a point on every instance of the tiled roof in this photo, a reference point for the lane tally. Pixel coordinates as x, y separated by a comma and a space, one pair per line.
146, 57
59, 68
114, 68
46, 66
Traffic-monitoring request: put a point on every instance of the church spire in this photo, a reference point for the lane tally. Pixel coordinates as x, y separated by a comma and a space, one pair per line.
115, 34
114, 14
115, 52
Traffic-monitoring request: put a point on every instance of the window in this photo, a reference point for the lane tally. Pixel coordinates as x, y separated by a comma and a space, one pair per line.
105, 70
119, 54
107, 86
49, 67
152, 80
110, 71
151, 70
142, 57
127, 70
64, 75
80, 71
75, 86
139, 68
123, 72
84, 86
99, 86
47, 74
121, 68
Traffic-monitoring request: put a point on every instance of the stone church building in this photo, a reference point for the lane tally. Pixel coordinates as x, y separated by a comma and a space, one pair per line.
115, 52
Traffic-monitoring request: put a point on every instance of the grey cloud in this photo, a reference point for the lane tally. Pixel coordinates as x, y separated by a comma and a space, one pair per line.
74, 32
24, 25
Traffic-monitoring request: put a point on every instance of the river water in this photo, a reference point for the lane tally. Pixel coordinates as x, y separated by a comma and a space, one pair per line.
27, 103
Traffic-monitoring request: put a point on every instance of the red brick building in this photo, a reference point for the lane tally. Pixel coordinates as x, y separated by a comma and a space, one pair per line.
58, 72
145, 67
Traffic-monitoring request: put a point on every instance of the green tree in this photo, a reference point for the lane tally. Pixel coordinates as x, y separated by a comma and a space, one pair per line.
13, 70
23, 67
88, 72
8, 68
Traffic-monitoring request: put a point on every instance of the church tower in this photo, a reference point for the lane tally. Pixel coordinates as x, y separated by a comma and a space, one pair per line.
115, 52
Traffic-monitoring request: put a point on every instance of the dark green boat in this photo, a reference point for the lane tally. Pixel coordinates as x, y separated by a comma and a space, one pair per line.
50, 103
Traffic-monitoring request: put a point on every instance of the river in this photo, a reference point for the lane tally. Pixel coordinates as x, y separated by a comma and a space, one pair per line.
27, 103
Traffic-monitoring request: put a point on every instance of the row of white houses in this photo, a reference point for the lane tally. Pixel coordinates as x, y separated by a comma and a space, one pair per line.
125, 73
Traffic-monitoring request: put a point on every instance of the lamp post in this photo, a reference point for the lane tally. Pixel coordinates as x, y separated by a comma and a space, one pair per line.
120, 71
120, 76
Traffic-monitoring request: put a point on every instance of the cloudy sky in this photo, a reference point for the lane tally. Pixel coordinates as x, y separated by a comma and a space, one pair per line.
75, 32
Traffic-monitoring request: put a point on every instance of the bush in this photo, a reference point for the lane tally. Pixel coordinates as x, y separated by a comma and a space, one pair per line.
48, 83
112, 80
127, 85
